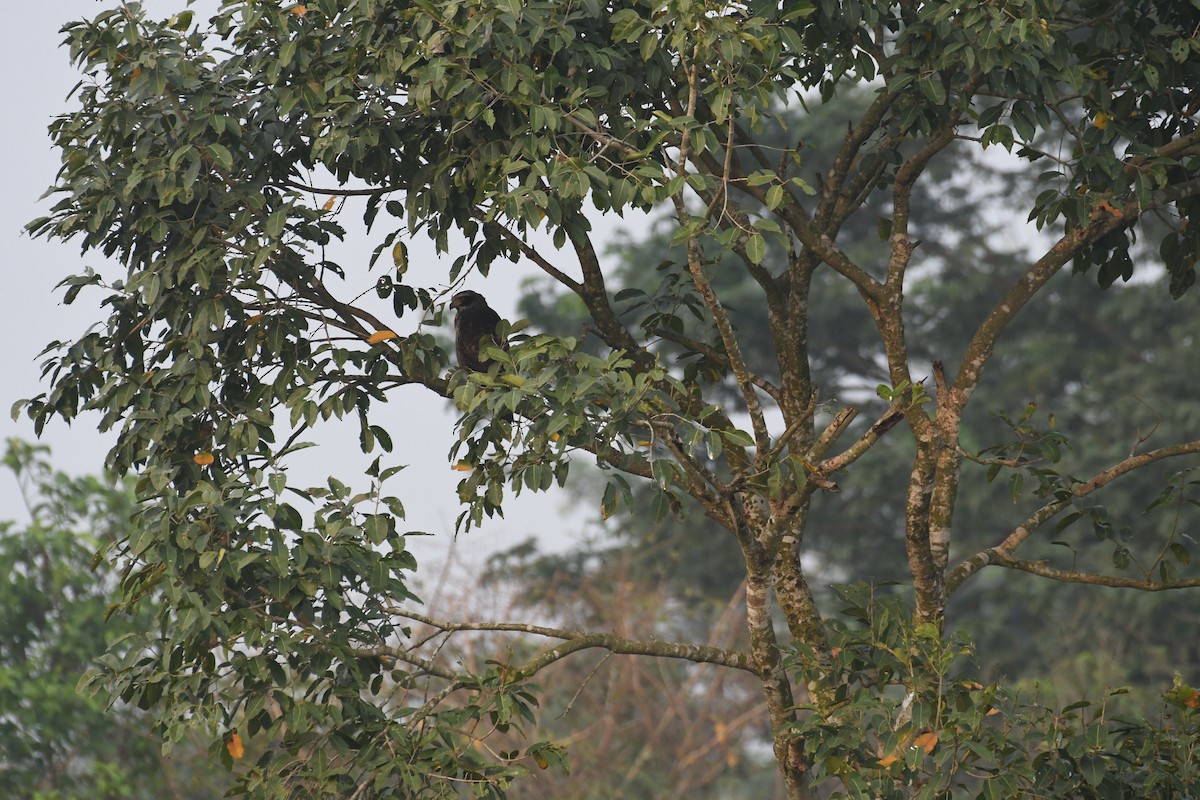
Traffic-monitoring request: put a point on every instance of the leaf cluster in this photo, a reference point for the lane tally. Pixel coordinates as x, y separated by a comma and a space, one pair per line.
909, 722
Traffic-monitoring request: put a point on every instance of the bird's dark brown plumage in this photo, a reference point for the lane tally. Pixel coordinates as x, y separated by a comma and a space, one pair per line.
475, 320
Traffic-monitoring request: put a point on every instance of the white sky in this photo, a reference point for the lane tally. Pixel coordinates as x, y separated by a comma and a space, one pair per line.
39, 79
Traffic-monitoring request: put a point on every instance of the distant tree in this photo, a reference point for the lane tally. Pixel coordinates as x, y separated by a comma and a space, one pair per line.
210, 162
56, 595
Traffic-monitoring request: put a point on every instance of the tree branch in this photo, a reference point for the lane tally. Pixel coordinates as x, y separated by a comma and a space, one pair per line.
888, 420
580, 640
1022, 532
537, 258
342, 192
856, 136
1071, 576
714, 355
737, 363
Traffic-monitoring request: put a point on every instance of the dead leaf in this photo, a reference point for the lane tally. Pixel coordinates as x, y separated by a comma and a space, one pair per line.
233, 743
926, 741
381, 336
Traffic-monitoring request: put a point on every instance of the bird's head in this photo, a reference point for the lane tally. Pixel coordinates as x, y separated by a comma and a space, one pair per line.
468, 299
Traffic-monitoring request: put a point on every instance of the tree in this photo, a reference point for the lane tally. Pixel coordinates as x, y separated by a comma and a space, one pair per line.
1107, 361
198, 158
54, 742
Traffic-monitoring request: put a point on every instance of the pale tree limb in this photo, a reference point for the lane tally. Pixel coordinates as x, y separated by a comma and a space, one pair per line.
888, 314
888, 420
581, 640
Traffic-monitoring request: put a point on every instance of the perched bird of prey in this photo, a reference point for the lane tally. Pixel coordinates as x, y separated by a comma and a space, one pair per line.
474, 321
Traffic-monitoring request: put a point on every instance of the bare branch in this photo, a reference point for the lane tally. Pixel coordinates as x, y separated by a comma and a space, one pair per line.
888, 420
831, 190
1022, 532
1071, 576
341, 191
575, 641
733, 351
537, 258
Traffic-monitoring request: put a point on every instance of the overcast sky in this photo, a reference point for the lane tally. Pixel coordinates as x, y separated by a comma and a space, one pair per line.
38, 80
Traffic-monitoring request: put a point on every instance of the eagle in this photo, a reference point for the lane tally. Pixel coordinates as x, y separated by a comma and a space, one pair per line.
474, 321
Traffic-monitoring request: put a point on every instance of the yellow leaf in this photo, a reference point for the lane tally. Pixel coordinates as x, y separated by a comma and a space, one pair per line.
462, 466
887, 761
299, 10
926, 741
329, 203
381, 336
233, 743
1101, 120
204, 458
513, 380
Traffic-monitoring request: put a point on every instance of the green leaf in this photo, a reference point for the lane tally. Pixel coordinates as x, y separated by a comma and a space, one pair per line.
1016, 483
775, 197
736, 437
221, 156
933, 90
756, 248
